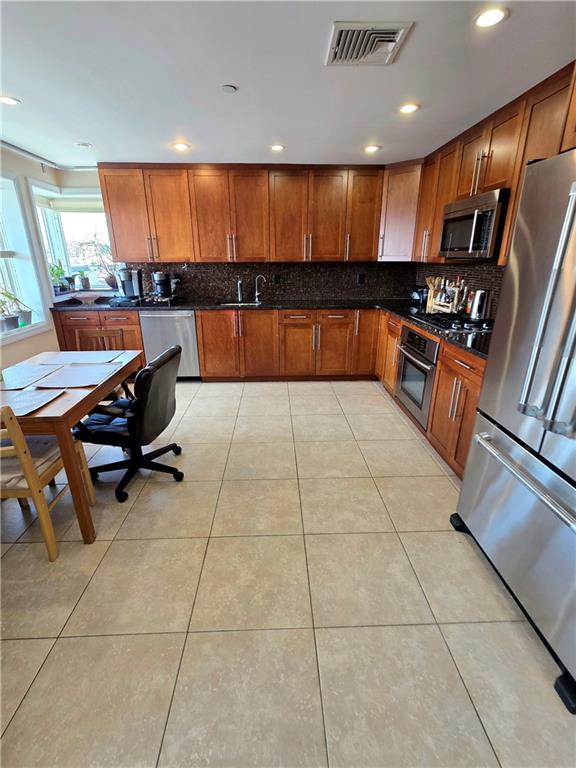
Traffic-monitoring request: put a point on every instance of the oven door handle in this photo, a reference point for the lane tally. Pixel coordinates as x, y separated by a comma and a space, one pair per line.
415, 359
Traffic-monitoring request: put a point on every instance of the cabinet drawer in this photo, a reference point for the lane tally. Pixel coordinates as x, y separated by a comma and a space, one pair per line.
120, 317
467, 364
296, 315
336, 315
81, 318
394, 326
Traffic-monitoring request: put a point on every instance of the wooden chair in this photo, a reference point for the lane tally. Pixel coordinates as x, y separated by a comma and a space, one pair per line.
99, 339
28, 465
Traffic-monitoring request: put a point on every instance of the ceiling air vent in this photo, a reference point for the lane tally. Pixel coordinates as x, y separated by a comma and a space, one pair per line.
365, 43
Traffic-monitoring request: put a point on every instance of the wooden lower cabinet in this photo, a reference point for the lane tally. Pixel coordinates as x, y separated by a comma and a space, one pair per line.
297, 331
391, 356
380, 363
365, 344
218, 348
334, 341
258, 343
453, 413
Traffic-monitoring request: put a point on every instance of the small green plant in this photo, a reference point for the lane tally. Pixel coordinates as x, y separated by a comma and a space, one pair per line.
56, 272
10, 304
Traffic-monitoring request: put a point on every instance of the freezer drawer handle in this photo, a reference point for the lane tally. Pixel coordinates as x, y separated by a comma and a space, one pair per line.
524, 406
485, 440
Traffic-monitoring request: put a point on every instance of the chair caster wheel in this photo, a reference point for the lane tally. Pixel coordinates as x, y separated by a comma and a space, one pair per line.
178, 475
177, 450
121, 496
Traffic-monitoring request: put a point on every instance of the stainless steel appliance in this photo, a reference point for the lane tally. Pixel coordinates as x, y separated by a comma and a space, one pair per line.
481, 305
519, 493
161, 329
165, 285
130, 284
472, 228
417, 357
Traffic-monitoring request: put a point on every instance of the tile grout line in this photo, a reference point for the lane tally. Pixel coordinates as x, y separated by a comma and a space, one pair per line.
185, 643
310, 599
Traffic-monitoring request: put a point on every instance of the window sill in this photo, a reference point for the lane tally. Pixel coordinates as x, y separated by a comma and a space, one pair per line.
19, 334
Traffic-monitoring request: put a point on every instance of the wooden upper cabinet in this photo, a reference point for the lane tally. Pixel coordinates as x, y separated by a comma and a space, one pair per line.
365, 341
472, 147
445, 193
210, 202
425, 215
124, 199
569, 136
249, 215
218, 347
502, 146
363, 215
288, 215
399, 209
327, 214
169, 214
334, 342
258, 335
297, 343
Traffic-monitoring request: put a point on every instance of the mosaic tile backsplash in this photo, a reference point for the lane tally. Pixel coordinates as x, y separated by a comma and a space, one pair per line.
217, 282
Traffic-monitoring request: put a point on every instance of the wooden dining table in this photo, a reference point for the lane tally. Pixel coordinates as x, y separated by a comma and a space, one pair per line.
60, 415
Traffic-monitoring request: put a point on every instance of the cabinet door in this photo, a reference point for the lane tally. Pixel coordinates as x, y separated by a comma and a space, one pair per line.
391, 359
297, 343
472, 146
334, 342
425, 217
210, 203
169, 214
441, 425
569, 137
465, 402
502, 146
380, 366
288, 215
218, 343
363, 209
399, 208
327, 214
445, 189
249, 215
365, 341
124, 199
258, 331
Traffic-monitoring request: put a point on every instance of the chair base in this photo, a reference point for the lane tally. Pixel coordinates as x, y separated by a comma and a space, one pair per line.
139, 460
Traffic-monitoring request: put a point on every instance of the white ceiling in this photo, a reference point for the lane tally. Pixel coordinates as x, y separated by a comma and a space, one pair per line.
131, 77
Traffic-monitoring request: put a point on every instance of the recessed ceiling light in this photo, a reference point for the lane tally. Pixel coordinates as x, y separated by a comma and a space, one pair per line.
10, 101
371, 148
229, 88
180, 146
407, 109
84, 145
277, 147
491, 17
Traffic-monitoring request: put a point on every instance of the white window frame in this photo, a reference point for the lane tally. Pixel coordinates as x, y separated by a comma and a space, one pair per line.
23, 190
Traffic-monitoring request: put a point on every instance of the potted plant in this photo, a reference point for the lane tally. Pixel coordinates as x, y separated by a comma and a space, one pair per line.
97, 255
57, 276
84, 280
13, 311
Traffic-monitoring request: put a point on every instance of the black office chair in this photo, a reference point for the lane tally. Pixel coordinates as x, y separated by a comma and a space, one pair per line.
133, 423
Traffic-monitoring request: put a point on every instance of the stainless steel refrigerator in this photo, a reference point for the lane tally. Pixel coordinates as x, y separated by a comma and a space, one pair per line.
518, 497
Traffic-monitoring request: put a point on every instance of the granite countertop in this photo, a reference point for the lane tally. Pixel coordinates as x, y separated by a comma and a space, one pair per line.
476, 343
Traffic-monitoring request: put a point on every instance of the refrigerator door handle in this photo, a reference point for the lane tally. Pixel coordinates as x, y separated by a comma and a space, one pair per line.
524, 405
566, 428
484, 439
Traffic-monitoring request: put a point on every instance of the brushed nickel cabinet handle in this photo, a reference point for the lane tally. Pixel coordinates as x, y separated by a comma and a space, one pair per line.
318, 338
357, 323
149, 248
347, 248
228, 248
234, 258
452, 398
297, 317
336, 317
459, 362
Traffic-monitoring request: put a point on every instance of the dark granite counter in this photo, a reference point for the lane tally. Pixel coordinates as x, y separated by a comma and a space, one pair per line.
476, 343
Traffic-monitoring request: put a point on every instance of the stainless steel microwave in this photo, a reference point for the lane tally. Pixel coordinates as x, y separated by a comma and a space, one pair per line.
472, 228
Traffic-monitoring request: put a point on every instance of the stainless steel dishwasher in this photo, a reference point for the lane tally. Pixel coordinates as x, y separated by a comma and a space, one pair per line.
161, 329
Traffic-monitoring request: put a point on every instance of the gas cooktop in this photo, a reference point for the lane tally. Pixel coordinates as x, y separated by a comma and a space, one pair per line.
456, 323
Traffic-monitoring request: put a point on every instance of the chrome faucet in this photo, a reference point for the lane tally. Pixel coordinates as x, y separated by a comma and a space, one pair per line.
258, 290
239, 290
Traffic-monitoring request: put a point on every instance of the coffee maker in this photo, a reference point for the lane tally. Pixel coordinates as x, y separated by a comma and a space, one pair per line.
131, 287
165, 285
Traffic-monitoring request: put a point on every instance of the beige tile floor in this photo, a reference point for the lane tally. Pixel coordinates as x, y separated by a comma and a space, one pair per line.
299, 600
